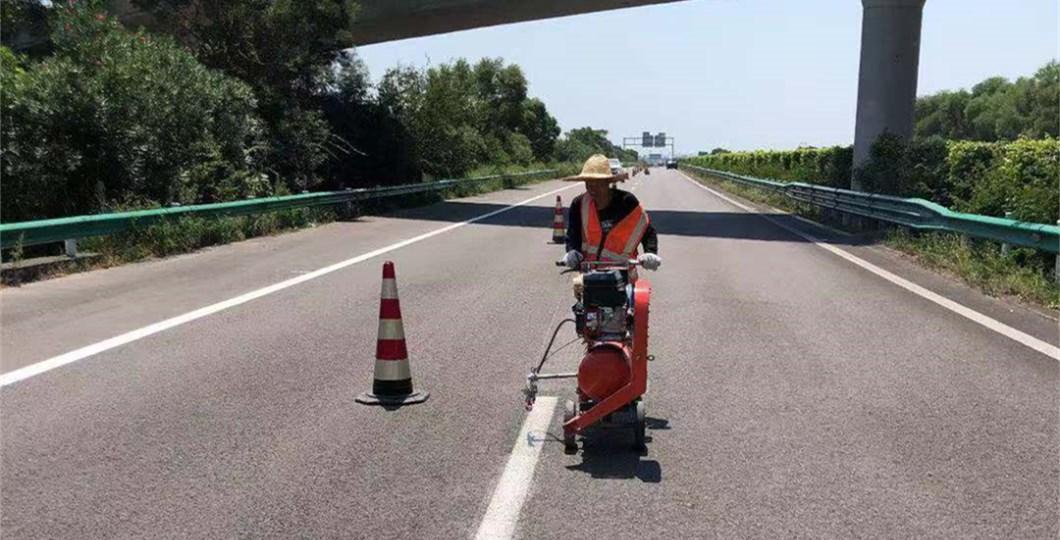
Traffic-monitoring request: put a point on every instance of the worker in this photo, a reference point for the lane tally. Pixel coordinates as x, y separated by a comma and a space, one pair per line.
609, 223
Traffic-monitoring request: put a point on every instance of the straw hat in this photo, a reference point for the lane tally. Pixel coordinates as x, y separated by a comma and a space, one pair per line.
596, 168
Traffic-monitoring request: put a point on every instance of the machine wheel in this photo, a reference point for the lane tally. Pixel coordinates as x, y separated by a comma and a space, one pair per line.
570, 443
639, 428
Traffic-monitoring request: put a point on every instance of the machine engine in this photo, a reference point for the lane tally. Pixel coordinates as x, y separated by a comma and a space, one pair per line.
603, 312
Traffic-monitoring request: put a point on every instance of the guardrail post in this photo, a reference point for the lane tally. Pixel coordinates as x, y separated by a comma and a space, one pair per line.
70, 246
1004, 245
1056, 263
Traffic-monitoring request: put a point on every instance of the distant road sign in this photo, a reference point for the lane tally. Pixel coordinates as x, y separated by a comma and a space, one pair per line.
660, 139
646, 139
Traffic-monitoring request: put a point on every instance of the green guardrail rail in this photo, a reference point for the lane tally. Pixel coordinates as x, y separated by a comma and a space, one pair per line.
914, 213
31, 233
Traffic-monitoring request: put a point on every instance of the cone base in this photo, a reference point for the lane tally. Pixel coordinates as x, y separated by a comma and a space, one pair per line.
369, 398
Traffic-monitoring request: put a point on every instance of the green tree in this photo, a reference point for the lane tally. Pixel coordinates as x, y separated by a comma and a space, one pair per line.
284, 49
121, 117
580, 143
995, 109
379, 149
401, 92
942, 115
461, 116
1043, 94
23, 19
540, 128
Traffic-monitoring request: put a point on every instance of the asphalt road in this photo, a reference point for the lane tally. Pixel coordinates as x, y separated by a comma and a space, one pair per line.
794, 394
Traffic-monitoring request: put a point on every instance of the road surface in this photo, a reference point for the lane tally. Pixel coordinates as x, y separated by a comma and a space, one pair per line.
794, 393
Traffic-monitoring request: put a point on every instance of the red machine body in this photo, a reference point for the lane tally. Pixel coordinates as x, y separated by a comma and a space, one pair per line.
613, 374
604, 370
611, 318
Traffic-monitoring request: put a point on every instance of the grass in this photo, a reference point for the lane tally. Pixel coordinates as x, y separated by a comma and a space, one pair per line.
758, 195
188, 234
1022, 273
165, 238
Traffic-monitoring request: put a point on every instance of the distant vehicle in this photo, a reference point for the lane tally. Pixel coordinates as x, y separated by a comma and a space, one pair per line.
616, 165
671, 164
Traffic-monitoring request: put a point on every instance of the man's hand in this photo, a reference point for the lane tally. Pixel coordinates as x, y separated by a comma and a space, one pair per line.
650, 261
572, 259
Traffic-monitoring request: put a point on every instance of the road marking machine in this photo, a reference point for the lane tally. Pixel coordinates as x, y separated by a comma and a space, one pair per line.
611, 318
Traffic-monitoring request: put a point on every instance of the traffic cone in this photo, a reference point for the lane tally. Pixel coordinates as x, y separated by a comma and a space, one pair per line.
392, 382
558, 228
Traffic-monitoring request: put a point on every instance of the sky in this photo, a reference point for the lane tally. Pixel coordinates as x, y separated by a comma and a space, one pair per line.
737, 74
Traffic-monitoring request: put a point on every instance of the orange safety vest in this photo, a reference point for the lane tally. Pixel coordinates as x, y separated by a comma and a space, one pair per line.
621, 243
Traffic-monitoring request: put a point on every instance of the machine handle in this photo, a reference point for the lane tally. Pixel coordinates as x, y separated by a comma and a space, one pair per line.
629, 264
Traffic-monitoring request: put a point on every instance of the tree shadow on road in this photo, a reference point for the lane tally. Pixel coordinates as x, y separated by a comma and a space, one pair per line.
708, 224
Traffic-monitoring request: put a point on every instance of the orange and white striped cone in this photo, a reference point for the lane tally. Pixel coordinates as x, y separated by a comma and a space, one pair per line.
558, 228
392, 383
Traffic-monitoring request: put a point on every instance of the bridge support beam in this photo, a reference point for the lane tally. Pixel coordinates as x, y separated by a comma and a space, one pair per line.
388, 20
890, 56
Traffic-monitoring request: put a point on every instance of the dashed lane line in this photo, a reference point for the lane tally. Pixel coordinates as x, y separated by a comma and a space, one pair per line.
507, 503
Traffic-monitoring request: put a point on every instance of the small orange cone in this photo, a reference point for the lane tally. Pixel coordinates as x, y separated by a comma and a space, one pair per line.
392, 382
558, 228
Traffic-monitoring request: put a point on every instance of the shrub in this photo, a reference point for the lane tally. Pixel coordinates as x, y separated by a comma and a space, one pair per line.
1022, 177
114, 115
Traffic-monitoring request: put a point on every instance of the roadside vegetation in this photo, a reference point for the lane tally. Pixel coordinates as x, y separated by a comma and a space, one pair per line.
990, 178
103, 118
991, 151
1022, 273
107, 118
1019, 274
188, 234
995, 109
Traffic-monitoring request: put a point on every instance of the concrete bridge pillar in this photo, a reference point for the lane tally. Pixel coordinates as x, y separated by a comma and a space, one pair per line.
890, 56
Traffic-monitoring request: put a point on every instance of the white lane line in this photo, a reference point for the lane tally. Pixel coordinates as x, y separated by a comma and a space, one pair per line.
507, 503
960, 309
43, 366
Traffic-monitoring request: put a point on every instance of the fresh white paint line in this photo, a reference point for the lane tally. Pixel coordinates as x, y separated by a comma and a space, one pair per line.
960, 309
507, 503
43, 366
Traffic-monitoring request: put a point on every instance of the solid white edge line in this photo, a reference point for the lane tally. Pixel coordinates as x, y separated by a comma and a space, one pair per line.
43, 366
507, 502
960, 309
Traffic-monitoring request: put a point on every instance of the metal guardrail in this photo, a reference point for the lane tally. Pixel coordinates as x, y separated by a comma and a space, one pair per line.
914, 213
31, 233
